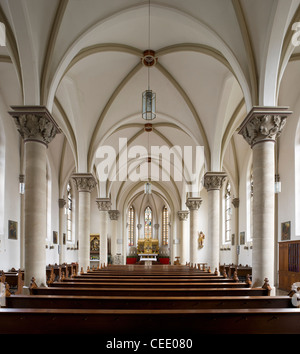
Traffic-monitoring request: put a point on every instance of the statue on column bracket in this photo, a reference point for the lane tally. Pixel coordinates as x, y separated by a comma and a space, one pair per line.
201, 238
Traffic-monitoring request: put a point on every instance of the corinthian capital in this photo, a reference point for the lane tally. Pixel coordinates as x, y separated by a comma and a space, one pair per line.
214, 180
35, 123
104, 204
85, 182
193, 203
183, 215
113, 214
264, 124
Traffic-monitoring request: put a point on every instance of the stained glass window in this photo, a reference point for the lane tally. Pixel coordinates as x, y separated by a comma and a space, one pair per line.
148, 222
251, 206
69, 213
131, 223
228, 212
165, 226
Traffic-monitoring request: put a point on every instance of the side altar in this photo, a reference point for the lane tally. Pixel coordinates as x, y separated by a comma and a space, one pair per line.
148, 249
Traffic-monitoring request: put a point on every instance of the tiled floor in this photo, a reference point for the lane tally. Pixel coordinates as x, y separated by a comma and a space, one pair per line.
280, 292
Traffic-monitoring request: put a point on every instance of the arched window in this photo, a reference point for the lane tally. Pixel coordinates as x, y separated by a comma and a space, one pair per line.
165, 226
228, 213
251, 206
131, 222
69, 213
148, 222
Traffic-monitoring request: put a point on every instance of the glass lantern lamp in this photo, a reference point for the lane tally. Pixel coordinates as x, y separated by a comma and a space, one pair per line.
149, 99
147, 188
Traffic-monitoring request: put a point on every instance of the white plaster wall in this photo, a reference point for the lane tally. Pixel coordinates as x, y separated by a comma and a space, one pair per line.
10, 249
52, 255
286, 169
204, 254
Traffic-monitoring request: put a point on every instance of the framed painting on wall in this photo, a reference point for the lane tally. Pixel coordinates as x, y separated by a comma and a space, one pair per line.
12, 230
95, 247
286, 231
55, 237
242, 238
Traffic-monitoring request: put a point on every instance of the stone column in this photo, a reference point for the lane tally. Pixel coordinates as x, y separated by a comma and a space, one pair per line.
114, 216
104, 205
85, 183
156, 234
236, 204
22, 224
213, 182
184, 239
193, 204
260, 129
139, 226
37, 127
61, 204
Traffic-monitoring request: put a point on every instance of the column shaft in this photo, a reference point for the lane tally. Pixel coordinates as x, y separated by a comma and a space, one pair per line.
193, 204
38, 128
84, 201
114, 215
213, 182
104, 205
260, 129
184, 237
85, 183
35, 213
214, 226
263, 213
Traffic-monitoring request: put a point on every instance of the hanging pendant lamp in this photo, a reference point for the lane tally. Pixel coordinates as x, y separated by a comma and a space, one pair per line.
149, 97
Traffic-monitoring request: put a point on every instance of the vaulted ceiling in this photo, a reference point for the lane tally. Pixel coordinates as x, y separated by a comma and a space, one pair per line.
82, 59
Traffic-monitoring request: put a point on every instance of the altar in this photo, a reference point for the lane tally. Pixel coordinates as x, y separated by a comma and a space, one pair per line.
148, 250
148, 256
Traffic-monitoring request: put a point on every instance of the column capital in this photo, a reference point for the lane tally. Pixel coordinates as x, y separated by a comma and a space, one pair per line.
61, 203
214, 180
236, 202
264, 124
35, 123
183, 215
193, 203
113, 214
104, 204
85, 182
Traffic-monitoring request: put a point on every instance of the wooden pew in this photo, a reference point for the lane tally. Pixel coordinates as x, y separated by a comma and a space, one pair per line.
80, 291
56, 271
155, 322
14, 281
152, 285
242, 271
146, 302
143, 310
145, 280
